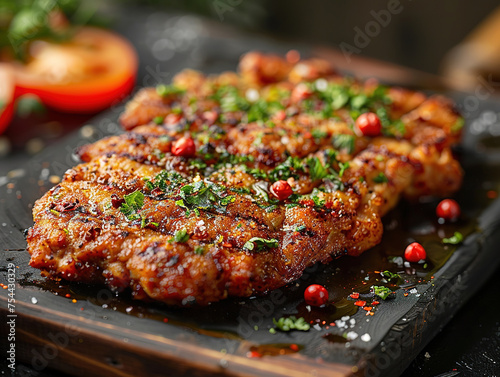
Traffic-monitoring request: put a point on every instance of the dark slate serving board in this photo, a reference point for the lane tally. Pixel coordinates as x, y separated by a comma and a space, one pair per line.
94, 332
101, 331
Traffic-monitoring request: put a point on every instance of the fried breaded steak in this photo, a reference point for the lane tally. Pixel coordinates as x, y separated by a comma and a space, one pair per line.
199, 224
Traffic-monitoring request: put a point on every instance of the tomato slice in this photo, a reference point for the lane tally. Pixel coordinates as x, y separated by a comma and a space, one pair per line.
89, 73
6, 96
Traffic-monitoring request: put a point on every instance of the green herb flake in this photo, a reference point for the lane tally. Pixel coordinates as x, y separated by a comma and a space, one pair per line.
458, 125
290, 323
455, 239
54, 212
168, 90
158, 120
343, 167
383, 292
317, 170
199, 250
359, 102
133, 203
344, 142
181, 236
380, 178
300, 228
258, 244
319, 134
392, 277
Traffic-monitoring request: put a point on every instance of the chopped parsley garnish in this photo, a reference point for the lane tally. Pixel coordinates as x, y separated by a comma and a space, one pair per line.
392, 277
290, 323
54, 212
168, 90
383, 292
458, 125
181, 236
204, 195
359, 102
199, 250
455, 239
319, 134
316, 169
158, 119
133, 203
230, 100
343, 167
396, 128
380, 178
300, 228
258, 244
167, 181
287, 169
344, 142
262, 110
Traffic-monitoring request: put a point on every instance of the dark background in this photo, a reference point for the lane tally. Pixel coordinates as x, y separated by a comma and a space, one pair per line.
419, 36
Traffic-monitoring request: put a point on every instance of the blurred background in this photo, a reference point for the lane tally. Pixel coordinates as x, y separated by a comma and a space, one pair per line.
442, 43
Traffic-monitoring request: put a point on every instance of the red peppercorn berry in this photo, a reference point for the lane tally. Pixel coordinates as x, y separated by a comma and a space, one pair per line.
369, 124
316, 295
448, 209
184, 147
415, 252
281, 189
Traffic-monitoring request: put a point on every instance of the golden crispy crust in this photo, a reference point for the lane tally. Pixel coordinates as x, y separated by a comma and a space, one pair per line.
176, 248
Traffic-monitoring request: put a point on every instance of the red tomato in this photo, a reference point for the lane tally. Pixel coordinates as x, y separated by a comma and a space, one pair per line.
369, 124
415, 252
448, 209
89, 73
281, 189
316, 295
6, 96
184, 147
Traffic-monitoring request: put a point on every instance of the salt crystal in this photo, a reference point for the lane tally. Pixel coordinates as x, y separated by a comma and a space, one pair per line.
252, 95
321, 84
351, 335
366, 337
34, 300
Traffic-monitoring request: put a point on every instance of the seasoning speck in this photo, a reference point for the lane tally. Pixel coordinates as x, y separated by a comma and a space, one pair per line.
54, 179
34, 300
366, 337
351, 335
